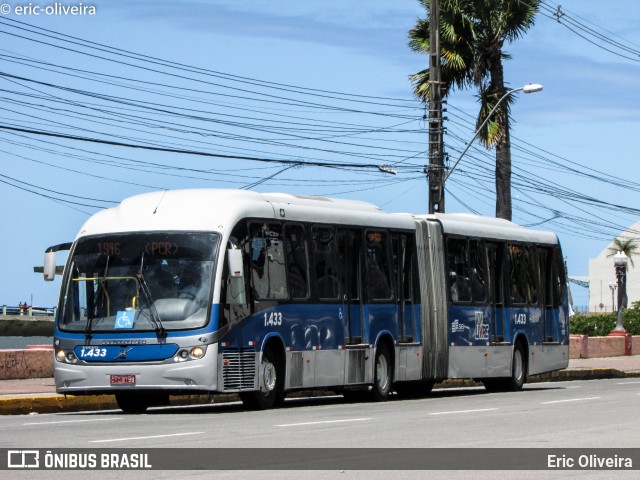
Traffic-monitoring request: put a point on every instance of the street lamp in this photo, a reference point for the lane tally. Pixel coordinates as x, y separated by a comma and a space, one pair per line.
529, 88
620, 261
612, 287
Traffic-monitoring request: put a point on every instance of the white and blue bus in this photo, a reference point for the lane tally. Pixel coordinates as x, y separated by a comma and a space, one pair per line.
232, 291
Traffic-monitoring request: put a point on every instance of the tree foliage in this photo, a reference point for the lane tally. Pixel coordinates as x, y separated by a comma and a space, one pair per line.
472, 37
627, 246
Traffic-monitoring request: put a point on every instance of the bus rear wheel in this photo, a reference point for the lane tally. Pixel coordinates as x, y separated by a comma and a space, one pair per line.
271, 384
383, 376
518, 369
518, 374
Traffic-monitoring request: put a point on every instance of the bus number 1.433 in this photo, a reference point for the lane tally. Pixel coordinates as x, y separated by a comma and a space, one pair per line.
272, 319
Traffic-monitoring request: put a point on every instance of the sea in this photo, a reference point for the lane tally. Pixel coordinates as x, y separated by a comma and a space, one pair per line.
22, 342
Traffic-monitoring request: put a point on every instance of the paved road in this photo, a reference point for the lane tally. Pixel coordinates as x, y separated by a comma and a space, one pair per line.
598, 413
578, 414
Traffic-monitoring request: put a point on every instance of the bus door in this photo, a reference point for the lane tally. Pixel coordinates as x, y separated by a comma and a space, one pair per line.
349, 248
495, 251
403, 261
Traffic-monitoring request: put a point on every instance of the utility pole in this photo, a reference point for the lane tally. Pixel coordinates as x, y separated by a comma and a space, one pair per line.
435, 169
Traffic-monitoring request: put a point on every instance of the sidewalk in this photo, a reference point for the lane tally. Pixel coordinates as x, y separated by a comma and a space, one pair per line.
38, 395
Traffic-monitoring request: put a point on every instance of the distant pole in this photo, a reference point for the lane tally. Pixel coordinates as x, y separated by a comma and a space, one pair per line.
612, 287
435, 169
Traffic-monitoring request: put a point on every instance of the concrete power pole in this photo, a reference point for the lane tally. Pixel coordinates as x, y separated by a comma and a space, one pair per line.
435, 169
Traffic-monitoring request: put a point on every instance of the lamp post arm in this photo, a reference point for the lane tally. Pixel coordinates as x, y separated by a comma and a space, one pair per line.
479, 129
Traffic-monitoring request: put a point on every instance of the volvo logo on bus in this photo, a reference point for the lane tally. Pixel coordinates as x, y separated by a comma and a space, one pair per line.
123, 352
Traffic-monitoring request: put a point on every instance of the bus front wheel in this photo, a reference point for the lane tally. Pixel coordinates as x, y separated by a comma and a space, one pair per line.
132, 402
271, 384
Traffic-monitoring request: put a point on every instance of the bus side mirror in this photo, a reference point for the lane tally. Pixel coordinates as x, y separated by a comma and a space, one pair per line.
49, 266
235, 290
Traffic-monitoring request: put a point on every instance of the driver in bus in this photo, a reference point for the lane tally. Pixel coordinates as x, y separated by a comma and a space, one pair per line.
190, 284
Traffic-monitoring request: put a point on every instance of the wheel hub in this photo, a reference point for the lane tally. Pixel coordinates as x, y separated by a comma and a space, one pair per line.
268, 376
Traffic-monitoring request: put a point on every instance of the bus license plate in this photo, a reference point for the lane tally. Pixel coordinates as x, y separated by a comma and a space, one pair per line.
122, 379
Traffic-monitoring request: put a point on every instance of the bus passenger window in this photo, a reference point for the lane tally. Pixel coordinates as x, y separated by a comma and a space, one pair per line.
296, 250
325, 262
377, 281
458, 263
478, 259
517, 274
266, 255
533, 275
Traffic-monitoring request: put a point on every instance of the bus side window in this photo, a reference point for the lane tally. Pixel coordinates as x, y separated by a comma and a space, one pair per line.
266, 256
478, 257
297, 265
325, 262
459, 271
377, 281
517, 274
533, 276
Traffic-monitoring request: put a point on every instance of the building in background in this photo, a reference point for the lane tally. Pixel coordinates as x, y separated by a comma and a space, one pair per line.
602, 277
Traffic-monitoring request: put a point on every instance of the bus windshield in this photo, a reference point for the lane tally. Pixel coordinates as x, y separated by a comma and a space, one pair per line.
139, 282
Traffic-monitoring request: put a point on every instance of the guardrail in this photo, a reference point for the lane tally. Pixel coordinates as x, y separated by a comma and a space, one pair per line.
28, 311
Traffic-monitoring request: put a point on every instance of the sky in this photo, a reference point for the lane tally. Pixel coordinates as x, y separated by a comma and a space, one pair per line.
311, 82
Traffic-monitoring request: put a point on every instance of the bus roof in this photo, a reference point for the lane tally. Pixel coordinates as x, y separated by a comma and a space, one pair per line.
490, 227
209, 209
219, 209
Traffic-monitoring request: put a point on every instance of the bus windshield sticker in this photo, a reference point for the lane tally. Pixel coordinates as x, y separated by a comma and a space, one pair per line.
125, 319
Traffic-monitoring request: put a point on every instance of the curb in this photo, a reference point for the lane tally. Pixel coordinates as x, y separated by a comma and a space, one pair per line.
582, 374
55, 403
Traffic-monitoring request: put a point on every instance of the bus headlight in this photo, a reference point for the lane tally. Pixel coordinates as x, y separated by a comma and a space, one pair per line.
66, 356
197, 352
61, 355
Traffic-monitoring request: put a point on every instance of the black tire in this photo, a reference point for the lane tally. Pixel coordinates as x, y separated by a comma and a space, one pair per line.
417, 389
518, 374
518, 369
383, 374
132, 403
271, 369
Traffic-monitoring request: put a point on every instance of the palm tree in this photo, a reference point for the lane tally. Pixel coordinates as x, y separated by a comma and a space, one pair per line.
629, 247
472, 35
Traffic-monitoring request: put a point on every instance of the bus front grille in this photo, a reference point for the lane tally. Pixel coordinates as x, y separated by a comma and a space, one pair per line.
239, 369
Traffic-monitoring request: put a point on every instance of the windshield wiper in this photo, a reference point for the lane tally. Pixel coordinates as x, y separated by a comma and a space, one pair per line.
155, 317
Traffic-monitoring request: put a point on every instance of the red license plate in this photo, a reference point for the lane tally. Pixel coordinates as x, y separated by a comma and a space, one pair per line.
122, 379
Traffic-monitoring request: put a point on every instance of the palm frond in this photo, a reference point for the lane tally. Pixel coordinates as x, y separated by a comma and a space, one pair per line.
627, 246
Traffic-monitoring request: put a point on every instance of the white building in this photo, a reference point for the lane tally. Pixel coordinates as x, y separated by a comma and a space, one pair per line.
602, 276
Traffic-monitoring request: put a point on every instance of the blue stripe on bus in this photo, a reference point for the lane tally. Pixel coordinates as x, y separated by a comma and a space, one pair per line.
129, 353
480, 325
317, 326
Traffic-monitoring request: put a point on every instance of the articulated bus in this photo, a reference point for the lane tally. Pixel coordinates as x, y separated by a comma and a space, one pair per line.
231, 291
